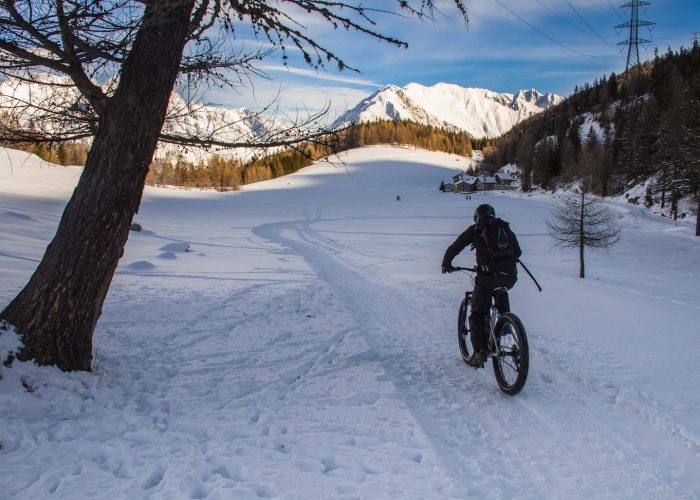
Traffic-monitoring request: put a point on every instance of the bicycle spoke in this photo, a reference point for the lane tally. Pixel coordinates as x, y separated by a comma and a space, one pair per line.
511, 366
504, 361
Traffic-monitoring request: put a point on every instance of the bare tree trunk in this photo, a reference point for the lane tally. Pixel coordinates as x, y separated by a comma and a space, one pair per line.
582, 266
697, 223
57, 311
663, 187
674, 204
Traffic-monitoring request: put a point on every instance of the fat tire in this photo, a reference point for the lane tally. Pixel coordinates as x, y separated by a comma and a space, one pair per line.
512, 364
463, 335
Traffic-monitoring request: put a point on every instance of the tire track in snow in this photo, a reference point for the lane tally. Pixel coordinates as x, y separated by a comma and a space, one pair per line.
430, 389
524, 438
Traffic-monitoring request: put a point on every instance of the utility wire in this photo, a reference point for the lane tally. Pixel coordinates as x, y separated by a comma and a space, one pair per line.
535, 28
612, 7
589, 26
616, 11
565, 19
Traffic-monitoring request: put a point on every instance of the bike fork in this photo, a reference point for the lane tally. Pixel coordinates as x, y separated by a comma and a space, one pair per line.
493, 345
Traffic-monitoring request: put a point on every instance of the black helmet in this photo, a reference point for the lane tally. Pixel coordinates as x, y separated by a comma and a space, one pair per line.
484, 211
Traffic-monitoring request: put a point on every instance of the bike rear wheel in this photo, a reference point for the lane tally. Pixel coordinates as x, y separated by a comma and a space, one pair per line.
513, 360
463, 336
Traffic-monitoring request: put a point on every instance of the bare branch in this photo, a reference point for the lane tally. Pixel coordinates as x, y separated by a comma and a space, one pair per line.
580, 220
88, 41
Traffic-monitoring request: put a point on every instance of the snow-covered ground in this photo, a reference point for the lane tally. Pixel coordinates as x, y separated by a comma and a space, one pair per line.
305, 347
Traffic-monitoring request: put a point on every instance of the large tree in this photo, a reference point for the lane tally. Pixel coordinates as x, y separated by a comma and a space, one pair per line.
123, 58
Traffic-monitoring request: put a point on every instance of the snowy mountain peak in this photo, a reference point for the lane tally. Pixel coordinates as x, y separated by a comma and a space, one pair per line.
185, 119
534, 98
479, 112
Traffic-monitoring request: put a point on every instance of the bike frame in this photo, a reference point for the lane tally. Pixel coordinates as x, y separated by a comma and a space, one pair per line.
494, 315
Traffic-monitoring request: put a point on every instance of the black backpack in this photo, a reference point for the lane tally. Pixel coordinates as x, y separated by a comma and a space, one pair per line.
497, 239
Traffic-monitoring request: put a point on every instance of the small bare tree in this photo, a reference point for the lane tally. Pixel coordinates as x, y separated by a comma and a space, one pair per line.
582, 220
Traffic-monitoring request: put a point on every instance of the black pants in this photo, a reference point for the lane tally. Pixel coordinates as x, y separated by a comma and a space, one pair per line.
484, 285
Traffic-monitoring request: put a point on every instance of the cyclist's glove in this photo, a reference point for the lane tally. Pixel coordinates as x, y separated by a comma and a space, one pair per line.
447, 269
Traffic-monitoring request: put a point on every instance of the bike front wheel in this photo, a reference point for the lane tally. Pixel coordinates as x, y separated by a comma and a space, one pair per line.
463, 336
513, 357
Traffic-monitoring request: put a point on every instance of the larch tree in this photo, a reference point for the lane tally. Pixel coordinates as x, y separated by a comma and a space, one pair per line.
121, 59
581, 220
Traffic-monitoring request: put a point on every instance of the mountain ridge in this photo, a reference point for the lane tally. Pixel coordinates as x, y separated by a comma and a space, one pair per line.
479, 112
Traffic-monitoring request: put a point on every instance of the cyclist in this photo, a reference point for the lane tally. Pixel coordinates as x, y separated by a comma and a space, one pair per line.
494, 269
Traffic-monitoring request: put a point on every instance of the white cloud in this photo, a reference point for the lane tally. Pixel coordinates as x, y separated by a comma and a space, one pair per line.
318, 75
291, 97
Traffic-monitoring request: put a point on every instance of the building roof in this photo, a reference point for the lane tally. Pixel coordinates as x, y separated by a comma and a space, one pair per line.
505, 176
487, 180
464, 177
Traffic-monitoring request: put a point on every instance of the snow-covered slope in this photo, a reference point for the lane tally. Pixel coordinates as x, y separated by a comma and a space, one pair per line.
305, 348
183, 119
201, 121
479, 112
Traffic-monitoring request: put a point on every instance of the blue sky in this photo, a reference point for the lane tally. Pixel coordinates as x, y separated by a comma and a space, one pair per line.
508, 45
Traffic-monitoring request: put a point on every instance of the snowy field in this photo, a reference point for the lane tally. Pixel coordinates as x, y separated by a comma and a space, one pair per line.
297, 340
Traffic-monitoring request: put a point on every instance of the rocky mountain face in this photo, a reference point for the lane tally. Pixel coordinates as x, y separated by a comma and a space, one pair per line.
479, 112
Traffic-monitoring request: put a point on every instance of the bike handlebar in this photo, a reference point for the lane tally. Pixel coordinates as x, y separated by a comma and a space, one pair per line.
474, 270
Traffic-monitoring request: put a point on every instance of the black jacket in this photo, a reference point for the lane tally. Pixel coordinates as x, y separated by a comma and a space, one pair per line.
472, 236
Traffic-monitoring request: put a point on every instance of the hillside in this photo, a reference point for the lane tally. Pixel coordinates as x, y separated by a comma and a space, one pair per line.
633, 134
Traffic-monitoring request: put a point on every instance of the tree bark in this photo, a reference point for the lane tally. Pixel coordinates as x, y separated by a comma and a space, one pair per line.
697, 222
56, 313
582, 242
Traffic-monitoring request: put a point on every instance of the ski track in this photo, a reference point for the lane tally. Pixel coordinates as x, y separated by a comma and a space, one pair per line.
441, 393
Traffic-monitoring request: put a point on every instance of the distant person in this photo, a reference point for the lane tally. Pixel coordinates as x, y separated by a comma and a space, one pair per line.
497, 253
398, 198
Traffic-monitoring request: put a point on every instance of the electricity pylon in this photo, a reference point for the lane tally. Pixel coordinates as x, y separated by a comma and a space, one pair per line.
633, 24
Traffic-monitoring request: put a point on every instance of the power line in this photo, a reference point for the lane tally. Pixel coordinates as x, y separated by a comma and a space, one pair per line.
535, 28
633, 24
586, 23
616, 11
564, 19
